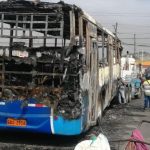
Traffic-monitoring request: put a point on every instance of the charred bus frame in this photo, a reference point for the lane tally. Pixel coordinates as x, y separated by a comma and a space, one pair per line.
60, 56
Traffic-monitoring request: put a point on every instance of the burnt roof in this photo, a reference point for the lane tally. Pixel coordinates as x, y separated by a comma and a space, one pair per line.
28, 6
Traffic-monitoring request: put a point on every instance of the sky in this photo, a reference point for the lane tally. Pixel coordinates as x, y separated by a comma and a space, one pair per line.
132, 16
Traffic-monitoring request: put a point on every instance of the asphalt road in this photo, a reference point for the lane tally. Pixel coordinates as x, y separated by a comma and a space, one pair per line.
121, 120
118, 123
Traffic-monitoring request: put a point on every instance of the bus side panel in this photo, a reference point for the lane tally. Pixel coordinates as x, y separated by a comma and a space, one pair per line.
116, 74
63, 126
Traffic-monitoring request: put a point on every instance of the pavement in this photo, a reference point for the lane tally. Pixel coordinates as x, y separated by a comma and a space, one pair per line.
120, 120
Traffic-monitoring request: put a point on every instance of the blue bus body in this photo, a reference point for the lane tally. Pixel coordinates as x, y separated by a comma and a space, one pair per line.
38, 119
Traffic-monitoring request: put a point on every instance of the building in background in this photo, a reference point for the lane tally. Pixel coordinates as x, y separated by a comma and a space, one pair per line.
143, 65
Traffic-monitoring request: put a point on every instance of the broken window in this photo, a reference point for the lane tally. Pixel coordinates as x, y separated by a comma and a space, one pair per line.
102, 48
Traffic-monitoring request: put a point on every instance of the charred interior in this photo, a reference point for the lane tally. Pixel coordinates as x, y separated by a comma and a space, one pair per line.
39, 59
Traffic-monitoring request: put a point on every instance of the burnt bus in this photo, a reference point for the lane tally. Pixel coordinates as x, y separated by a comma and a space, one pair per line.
58, 68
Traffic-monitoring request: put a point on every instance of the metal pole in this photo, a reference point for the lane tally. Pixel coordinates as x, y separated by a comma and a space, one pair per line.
116, 29
142, 62
11, 41
134, 44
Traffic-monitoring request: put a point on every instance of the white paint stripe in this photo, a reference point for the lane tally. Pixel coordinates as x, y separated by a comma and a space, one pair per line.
31, 105
2, 103
52, 121
52, 124
34, 105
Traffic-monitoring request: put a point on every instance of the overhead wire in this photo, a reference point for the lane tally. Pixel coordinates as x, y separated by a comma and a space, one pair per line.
129, 33
126, 14
130, 44
140, 38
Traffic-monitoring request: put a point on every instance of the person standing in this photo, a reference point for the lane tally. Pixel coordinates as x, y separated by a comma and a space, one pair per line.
121, 92
136, 87
146, 86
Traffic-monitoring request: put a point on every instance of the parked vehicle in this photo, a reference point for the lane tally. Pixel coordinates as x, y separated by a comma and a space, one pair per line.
129, 75
59, 68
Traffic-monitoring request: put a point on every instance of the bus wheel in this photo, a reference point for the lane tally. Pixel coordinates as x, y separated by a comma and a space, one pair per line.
99, 120
129, 95
126, 95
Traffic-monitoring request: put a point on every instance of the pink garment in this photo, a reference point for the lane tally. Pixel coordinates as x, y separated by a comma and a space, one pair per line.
136, 135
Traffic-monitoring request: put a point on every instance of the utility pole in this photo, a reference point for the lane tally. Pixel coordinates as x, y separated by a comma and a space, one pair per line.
116, 29
134, 44
142, 56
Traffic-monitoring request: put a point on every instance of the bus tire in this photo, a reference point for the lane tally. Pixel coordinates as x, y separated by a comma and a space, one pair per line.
129, 95
99, 120
126, 95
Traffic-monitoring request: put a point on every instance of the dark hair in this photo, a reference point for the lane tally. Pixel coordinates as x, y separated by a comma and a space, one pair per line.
147, 76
